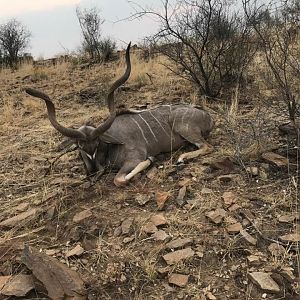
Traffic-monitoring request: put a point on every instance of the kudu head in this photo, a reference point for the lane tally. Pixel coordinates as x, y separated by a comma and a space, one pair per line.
87, 137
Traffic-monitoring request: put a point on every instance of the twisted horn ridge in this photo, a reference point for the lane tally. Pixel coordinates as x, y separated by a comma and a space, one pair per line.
110, 97
69, 132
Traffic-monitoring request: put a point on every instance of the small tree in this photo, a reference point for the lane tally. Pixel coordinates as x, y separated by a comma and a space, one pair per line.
207, 39
277, 27
14, 38
90, 23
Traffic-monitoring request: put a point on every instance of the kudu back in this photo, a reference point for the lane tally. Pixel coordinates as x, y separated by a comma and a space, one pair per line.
129, 141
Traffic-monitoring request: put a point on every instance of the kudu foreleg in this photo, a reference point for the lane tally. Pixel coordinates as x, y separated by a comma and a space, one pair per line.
123, 177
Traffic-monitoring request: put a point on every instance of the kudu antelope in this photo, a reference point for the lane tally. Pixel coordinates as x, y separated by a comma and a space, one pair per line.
129, 141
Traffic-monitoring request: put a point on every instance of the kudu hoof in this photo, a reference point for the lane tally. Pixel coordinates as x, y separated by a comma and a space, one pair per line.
120, 181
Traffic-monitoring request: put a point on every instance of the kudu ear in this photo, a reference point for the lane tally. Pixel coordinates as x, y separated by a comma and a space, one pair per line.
106, 138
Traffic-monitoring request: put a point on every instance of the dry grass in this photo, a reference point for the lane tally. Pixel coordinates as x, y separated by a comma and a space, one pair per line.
113, 268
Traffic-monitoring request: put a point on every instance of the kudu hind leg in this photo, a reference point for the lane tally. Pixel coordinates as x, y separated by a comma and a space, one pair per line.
195, 137
204, 148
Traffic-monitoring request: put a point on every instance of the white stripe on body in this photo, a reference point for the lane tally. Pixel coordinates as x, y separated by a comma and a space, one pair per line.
149, 127
159, 123
141, 130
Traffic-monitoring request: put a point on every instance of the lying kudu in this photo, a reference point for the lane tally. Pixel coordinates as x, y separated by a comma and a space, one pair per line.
128, 141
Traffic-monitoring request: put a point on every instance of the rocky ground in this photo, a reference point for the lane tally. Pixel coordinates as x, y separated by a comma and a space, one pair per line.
223, 226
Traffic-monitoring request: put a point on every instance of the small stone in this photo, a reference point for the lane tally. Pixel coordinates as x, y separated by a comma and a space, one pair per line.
13, 221
178, 279
181, 195
126, 225
210, 296
128, 239
164, 270
160, 235
118, 231
263, 174
234, 207
18, 285
149, 228
276, 159
254, 260
51, 252
206, 191
161, 198
51, 212
151, 174
250, 239
158, 220
142, 199
287, 273
229, 198
292, 237
22, 207
176, 256
276, 249
252, 170
234, 228
82, 216
77, 251
179, 243
217, 215
264, 281
287, 218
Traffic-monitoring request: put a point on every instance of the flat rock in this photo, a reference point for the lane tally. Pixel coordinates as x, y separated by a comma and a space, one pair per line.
276, 159
217, 215
82, 215
128, 239
249, 238
176, 256
158, 220
276, 249
234, 207
18, 285
264, 281
178, 279
151, 174
292, 237
179, 243
161, 198
76, 251
22, 206
234, 228
229, 198
126, 225
51, 252
181, 195
142, 199
254, 260
13, 221
160, 235
224, 164
149, 228
287, 218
